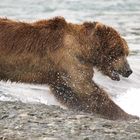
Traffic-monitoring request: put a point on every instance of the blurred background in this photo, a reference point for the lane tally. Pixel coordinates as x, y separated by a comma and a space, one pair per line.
123, 15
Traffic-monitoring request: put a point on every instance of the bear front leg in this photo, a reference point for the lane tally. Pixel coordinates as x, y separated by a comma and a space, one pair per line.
77, 90
97, 102
102, 104
66, 96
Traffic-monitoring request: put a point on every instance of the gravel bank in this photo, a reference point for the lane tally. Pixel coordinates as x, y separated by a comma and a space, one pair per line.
19, 121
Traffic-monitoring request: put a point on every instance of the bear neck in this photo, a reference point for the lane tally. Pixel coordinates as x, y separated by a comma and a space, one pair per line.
91, 48
87, 44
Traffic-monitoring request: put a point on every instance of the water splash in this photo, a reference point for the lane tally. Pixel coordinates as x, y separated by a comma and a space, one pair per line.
27, 93
130, 101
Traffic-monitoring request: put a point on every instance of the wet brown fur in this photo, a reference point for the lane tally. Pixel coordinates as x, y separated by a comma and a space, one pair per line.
62, 55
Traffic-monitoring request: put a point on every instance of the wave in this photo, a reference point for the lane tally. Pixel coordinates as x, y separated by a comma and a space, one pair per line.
129, 101
28, 93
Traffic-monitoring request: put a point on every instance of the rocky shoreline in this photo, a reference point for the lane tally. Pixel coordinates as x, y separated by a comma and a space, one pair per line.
19, 121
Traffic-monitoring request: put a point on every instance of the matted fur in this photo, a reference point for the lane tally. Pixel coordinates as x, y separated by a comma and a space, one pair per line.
62, 55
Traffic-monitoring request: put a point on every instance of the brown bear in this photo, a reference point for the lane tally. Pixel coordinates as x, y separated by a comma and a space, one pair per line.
63, 55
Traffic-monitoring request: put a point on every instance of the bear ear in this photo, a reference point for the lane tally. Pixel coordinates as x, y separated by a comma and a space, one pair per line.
56, 23
89, 27
100, 29
99, 25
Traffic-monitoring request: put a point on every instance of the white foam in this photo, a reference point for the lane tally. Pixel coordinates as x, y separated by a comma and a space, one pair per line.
27, 93
130, 101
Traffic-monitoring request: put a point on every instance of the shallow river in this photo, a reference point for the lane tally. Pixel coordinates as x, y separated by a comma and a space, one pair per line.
124, 15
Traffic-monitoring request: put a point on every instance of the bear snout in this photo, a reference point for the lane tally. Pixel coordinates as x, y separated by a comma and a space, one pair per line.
128, 73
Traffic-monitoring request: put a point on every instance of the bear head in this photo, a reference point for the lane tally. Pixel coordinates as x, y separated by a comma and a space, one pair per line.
110, 55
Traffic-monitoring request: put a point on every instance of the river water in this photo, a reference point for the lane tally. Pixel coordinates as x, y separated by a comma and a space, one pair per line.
124, 15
